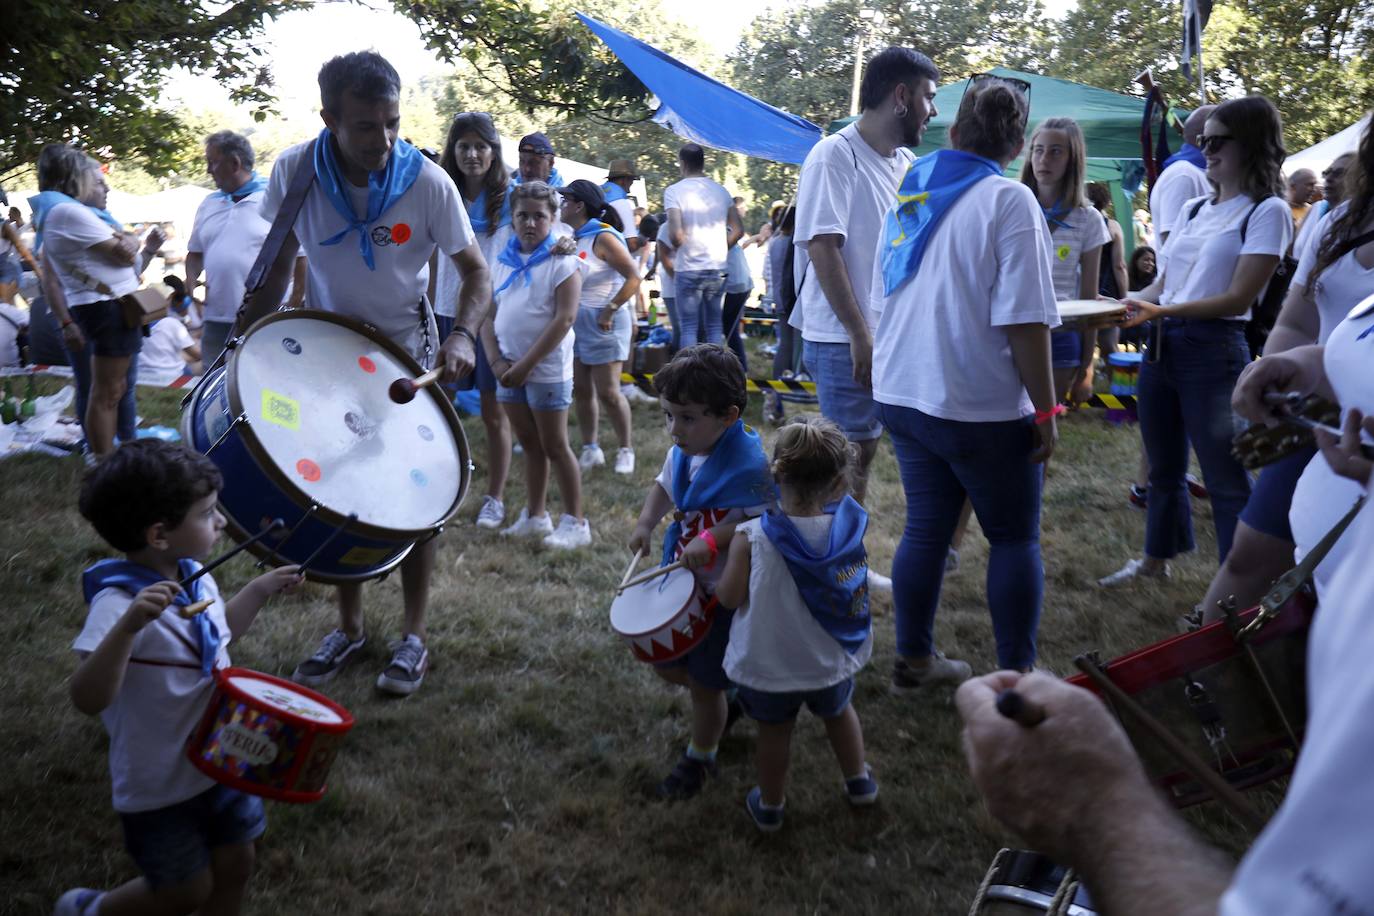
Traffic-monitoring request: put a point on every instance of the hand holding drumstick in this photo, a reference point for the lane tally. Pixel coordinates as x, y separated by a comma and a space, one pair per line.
402, 391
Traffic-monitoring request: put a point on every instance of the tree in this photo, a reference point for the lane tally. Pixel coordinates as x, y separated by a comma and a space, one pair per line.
92, 72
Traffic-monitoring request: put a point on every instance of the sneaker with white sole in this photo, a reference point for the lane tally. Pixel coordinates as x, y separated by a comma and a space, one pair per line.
862, 790
941, 670
407, 669
79, 901
492, 514
767, 818
634, 394
625, 461
879, 583
570, 534
1134, 569
592, 457
526, 527
329, 659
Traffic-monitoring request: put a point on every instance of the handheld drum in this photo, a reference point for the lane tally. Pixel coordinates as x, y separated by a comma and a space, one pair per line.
1078, 314
300, 422
663, 618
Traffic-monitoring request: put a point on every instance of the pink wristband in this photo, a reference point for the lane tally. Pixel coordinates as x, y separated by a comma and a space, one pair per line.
1044, 416
710, 540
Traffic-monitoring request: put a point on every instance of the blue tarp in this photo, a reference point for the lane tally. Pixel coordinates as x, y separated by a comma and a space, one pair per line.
698, 108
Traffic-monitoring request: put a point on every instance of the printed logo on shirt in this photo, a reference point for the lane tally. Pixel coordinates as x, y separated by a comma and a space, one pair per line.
1063, 251
398, 234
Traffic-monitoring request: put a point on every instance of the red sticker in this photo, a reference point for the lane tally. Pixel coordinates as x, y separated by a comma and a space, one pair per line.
400, 233
366, 364
308, 469
582, 255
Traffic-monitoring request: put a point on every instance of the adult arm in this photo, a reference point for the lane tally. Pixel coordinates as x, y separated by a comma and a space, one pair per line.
827, 262
1089, 264
677, 232
458, 355
1123, 282
1247, 281
57, 306
151, 247
666, 254
565, 296
299, 272
734, 227
1030, 351
609, 249
195, 266
1300, 369
1298, 324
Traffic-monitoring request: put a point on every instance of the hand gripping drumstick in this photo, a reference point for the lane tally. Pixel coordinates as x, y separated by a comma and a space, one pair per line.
1020, 710
651, 574
629, 570
402, 391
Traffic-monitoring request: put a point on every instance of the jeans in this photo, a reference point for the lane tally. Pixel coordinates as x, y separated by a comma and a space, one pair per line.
213, 335
1186, 397
940, 462
730, 316
126, 423
698, 294
789, 345
674, 322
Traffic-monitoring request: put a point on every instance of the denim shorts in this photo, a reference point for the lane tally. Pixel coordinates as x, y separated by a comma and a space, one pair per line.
482, 378
10, 271
1066, 349
706, 662
825, 703
844, 401
1267, 508
103, 324
595, 347
172, 844
538, 395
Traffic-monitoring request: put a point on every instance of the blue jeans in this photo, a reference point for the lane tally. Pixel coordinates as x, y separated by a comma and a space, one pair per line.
940, 462
126, 422
674, 323
1186, 397
731, 313
699, 294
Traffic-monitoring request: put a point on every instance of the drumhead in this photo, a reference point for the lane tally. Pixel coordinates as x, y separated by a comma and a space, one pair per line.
1086, 308
315, 394
284, 699
648, 606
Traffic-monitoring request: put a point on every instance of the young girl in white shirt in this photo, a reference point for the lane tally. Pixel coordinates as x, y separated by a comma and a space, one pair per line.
799, 578
529, 342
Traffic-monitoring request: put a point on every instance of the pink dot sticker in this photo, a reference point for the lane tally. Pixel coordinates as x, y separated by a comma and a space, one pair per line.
308, 469
366, 364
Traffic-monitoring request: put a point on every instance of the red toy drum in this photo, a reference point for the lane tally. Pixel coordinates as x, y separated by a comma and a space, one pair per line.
1241, 709
266, 736
663, 618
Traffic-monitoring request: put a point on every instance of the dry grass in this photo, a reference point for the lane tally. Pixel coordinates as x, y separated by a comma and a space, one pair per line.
514, 780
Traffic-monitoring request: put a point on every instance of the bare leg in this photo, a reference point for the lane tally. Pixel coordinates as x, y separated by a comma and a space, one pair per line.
498, 444
552, 428
351, 610
1253, 563
584, 402
137, 898
231, 867
847, 740
536, 462
709, 711
607, 381
867, 449
1063, 378
962, 528
416, 570
773, 754
676, 676
108, 384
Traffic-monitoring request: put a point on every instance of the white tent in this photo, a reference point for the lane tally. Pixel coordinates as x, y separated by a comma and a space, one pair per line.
571, 170
1319, 157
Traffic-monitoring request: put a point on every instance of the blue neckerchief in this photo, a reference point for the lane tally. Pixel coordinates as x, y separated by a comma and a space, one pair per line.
1054, 216
477, 214
253, 185
133, 578
384, 188
734, 476
834, 584
594, 227
43, 202
554, 180
613, 192
523, 264
932, 185
1186, 153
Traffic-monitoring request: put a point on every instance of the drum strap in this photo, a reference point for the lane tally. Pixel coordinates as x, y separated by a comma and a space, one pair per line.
291, 205
161, 664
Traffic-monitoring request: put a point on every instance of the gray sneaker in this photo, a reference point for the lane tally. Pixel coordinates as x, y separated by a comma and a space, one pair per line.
407, 669
907, 678
492, 515
329, 659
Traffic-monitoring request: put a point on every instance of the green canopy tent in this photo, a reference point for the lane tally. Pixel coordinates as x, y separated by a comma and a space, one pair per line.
1110, 122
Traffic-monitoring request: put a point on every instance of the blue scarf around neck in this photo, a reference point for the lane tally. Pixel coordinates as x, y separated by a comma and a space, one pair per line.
513, 256
42, 203
594, 227
554, 180
1054, 216
384, 188
134, 578
1186, 153
932, 185
613, 192
833, 584
477, 214
734, 476
253, 185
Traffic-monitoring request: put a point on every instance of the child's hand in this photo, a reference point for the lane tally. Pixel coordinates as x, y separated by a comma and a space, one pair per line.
282, 579
697, 554
639, 539
515, 376
148, 605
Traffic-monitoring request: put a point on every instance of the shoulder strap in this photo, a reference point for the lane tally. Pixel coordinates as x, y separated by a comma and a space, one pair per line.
1196, 207
1245, 223
291, 205
1349, 245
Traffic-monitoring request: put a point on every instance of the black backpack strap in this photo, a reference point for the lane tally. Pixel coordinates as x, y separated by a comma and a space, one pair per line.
1196, 207
286, 218
1245, 223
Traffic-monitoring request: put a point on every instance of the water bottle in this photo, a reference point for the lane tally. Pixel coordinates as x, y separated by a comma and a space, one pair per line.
30, 405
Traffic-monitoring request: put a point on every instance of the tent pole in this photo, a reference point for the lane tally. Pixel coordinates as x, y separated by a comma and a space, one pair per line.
1201, 73
858, 73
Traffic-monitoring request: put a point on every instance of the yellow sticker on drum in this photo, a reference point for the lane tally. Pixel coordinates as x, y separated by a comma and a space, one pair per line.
364, 556
281, 410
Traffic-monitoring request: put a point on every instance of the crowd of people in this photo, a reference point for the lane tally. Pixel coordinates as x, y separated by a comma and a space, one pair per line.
921, 297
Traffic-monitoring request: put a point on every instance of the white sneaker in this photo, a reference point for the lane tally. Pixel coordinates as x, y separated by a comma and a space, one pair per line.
529, 527
571, 534
877, 582
1134, 569
591, 457
492, 514
625, 461
634, 394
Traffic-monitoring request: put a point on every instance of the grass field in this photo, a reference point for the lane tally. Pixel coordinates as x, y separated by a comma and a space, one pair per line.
514, 781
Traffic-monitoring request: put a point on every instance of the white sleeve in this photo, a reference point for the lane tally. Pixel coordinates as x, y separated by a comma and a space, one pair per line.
107, 608
665, 476
449, 218
670, 199
280, 180
1023, 290
78, 226
824, 194
195, 244
180, 336
1307, 257
1270, 229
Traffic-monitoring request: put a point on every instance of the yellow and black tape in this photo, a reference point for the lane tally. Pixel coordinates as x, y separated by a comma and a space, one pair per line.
755, 385
1111, 402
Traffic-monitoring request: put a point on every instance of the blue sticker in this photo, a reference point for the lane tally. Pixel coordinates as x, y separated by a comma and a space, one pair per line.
418, 477
425, 432
290, 345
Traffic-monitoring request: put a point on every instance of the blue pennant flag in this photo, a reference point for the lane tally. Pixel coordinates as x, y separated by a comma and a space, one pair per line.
384, 188
134, 578
734, 476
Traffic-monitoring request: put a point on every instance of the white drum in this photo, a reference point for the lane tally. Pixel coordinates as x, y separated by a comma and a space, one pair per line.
663, 618
1089, 312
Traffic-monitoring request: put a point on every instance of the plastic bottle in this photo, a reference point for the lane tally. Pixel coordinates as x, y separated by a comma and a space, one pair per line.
9, 407
29, 407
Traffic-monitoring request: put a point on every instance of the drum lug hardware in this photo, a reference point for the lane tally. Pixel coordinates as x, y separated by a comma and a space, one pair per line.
1209, 717
241, 418
276, 548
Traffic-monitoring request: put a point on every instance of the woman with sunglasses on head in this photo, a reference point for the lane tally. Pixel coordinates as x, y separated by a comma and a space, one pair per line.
962, 377
1219, 258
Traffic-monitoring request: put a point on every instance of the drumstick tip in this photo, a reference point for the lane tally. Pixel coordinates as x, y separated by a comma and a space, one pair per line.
402, 391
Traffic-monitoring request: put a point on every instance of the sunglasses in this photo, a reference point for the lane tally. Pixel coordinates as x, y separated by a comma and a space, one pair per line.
1019, 85
1215, 142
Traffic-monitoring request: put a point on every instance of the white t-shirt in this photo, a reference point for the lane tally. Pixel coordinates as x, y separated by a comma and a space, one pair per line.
1200, 257
776, 644
161, 361
1315, 217
940, 346
625, 209
846, 189
430, 215
1341, 286
705, 208
523, 311
230, 235
1179, 183
68, 234
449, 280
158, 705
665, 278
601, 281
1086, 231
695, 522
11, 320
1313, 858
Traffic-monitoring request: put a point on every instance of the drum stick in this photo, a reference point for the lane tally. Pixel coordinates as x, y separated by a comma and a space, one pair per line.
1020, 710
629, 570
352, 517
1288, 402
651, 574
1196, 767
191, 610
402, 391
274, 526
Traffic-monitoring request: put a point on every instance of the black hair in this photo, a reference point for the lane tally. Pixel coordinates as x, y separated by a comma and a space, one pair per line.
1138, 278
366, 74
706, 374
1099, 195
785, 220
496, 180
649, 226
141, 483
232, 144
692, 156
889, 68
992, 119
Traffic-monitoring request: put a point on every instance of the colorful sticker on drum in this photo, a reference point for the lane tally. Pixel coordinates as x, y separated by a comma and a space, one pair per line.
364, 556
425, 432
418, 478
281, 410
291, 345
1063, 251
366, 364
